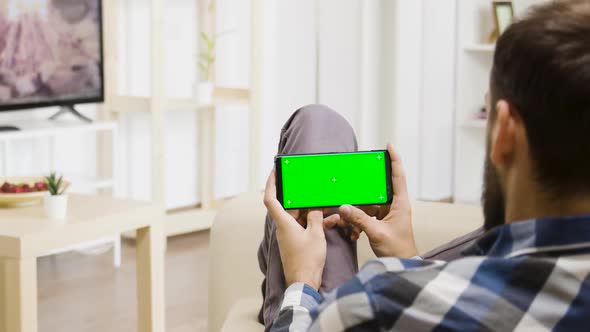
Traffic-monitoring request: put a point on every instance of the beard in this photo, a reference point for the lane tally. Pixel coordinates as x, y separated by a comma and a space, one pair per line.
492, 197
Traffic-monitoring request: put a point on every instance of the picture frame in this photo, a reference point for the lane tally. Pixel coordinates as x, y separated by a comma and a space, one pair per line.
503, 15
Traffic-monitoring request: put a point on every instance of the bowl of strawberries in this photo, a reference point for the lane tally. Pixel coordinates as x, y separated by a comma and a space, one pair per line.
19, 191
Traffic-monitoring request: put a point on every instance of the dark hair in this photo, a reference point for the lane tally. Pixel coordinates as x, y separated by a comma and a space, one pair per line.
542, 68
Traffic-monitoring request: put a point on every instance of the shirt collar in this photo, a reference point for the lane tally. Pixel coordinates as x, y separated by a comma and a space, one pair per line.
556, 234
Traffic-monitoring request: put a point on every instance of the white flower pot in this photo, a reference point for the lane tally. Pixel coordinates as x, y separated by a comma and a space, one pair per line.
205, 92
56, 207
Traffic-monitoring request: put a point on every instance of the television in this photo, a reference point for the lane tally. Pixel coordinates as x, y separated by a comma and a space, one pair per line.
51, 53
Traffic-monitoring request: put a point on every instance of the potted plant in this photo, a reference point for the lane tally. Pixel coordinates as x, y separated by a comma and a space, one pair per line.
206, 63
55, 201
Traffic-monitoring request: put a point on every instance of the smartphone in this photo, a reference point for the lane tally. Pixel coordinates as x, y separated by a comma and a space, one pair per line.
334, 179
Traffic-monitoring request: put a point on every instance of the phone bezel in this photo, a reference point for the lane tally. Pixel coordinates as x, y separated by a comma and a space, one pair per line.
279, 177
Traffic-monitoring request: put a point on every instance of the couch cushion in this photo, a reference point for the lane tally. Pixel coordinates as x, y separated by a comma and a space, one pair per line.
242, 316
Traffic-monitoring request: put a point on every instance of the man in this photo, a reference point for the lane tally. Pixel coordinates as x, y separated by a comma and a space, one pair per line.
531, 270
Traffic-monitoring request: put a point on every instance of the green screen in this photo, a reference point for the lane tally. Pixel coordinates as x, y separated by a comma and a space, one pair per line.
334, 179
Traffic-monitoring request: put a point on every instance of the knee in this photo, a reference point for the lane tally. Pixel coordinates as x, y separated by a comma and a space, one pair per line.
313, 112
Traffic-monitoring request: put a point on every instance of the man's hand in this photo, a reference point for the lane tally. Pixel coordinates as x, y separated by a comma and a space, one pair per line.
303, 250
393, 234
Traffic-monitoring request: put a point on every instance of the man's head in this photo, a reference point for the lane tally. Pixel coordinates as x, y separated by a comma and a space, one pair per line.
539, 128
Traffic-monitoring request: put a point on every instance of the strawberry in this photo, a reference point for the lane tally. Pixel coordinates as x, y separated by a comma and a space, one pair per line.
26, 188
40, 186
5, 187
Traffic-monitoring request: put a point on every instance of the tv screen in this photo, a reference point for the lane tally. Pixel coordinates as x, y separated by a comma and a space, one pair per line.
50, 53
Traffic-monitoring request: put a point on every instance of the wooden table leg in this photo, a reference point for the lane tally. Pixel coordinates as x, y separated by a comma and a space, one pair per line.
150, 279
19, 295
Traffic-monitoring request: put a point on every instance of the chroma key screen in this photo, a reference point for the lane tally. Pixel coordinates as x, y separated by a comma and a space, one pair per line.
326, 180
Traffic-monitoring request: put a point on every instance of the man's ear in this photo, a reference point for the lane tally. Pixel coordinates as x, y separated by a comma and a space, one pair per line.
503, 136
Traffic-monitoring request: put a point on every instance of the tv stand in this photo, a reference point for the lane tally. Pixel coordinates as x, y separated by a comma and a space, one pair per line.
8, 128
70, 109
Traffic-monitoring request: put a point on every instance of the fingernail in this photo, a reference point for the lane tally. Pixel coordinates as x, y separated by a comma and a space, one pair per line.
345, 210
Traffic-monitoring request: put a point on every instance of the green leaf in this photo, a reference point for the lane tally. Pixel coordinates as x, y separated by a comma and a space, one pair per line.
51, 188
209, 42
59, 183
207, 57
205, 37
54, 184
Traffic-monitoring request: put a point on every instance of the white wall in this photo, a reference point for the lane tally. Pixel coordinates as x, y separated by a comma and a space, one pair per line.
407, 87
292, 50
340, 57
417, 91
232, 70
290, 72
438, 99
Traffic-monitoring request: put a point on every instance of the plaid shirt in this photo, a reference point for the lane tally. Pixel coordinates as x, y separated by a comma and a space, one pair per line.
527, 276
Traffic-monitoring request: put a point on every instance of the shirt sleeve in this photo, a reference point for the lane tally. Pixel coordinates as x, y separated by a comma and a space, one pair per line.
295, 313
304, 309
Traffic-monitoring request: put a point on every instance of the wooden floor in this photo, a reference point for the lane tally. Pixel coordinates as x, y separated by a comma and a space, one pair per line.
79, 292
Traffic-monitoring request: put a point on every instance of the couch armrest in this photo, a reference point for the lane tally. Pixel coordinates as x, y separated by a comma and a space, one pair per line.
436, 224
233, 267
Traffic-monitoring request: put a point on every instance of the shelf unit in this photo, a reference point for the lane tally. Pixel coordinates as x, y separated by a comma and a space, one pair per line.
474, 62
157, 105
49, 131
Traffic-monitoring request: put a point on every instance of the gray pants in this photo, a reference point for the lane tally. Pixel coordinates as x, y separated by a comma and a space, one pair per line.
317, 129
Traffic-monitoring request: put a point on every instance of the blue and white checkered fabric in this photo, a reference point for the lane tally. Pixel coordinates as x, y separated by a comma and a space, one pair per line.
527, 276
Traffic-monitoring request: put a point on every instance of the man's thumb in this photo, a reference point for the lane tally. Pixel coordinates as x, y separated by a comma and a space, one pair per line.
315, 220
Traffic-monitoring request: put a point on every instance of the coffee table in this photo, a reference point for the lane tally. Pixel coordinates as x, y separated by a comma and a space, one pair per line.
26, 234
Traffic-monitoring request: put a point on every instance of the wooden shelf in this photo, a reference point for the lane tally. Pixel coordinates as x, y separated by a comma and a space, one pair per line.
35, 129
157, 104
231, 94
480, 48
222, 96
475, 123
121, 104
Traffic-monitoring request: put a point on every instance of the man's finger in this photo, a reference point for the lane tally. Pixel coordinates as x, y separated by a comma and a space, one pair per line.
355, 217
331, 221
400, 187
276, 211
356, 233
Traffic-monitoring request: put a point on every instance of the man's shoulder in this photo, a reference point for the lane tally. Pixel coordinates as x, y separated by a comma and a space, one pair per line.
468, 266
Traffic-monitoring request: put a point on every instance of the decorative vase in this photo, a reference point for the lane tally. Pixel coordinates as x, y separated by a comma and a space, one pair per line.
205, 92
56, 206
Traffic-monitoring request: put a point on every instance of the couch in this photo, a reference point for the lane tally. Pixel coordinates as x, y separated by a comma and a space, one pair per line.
234, 276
